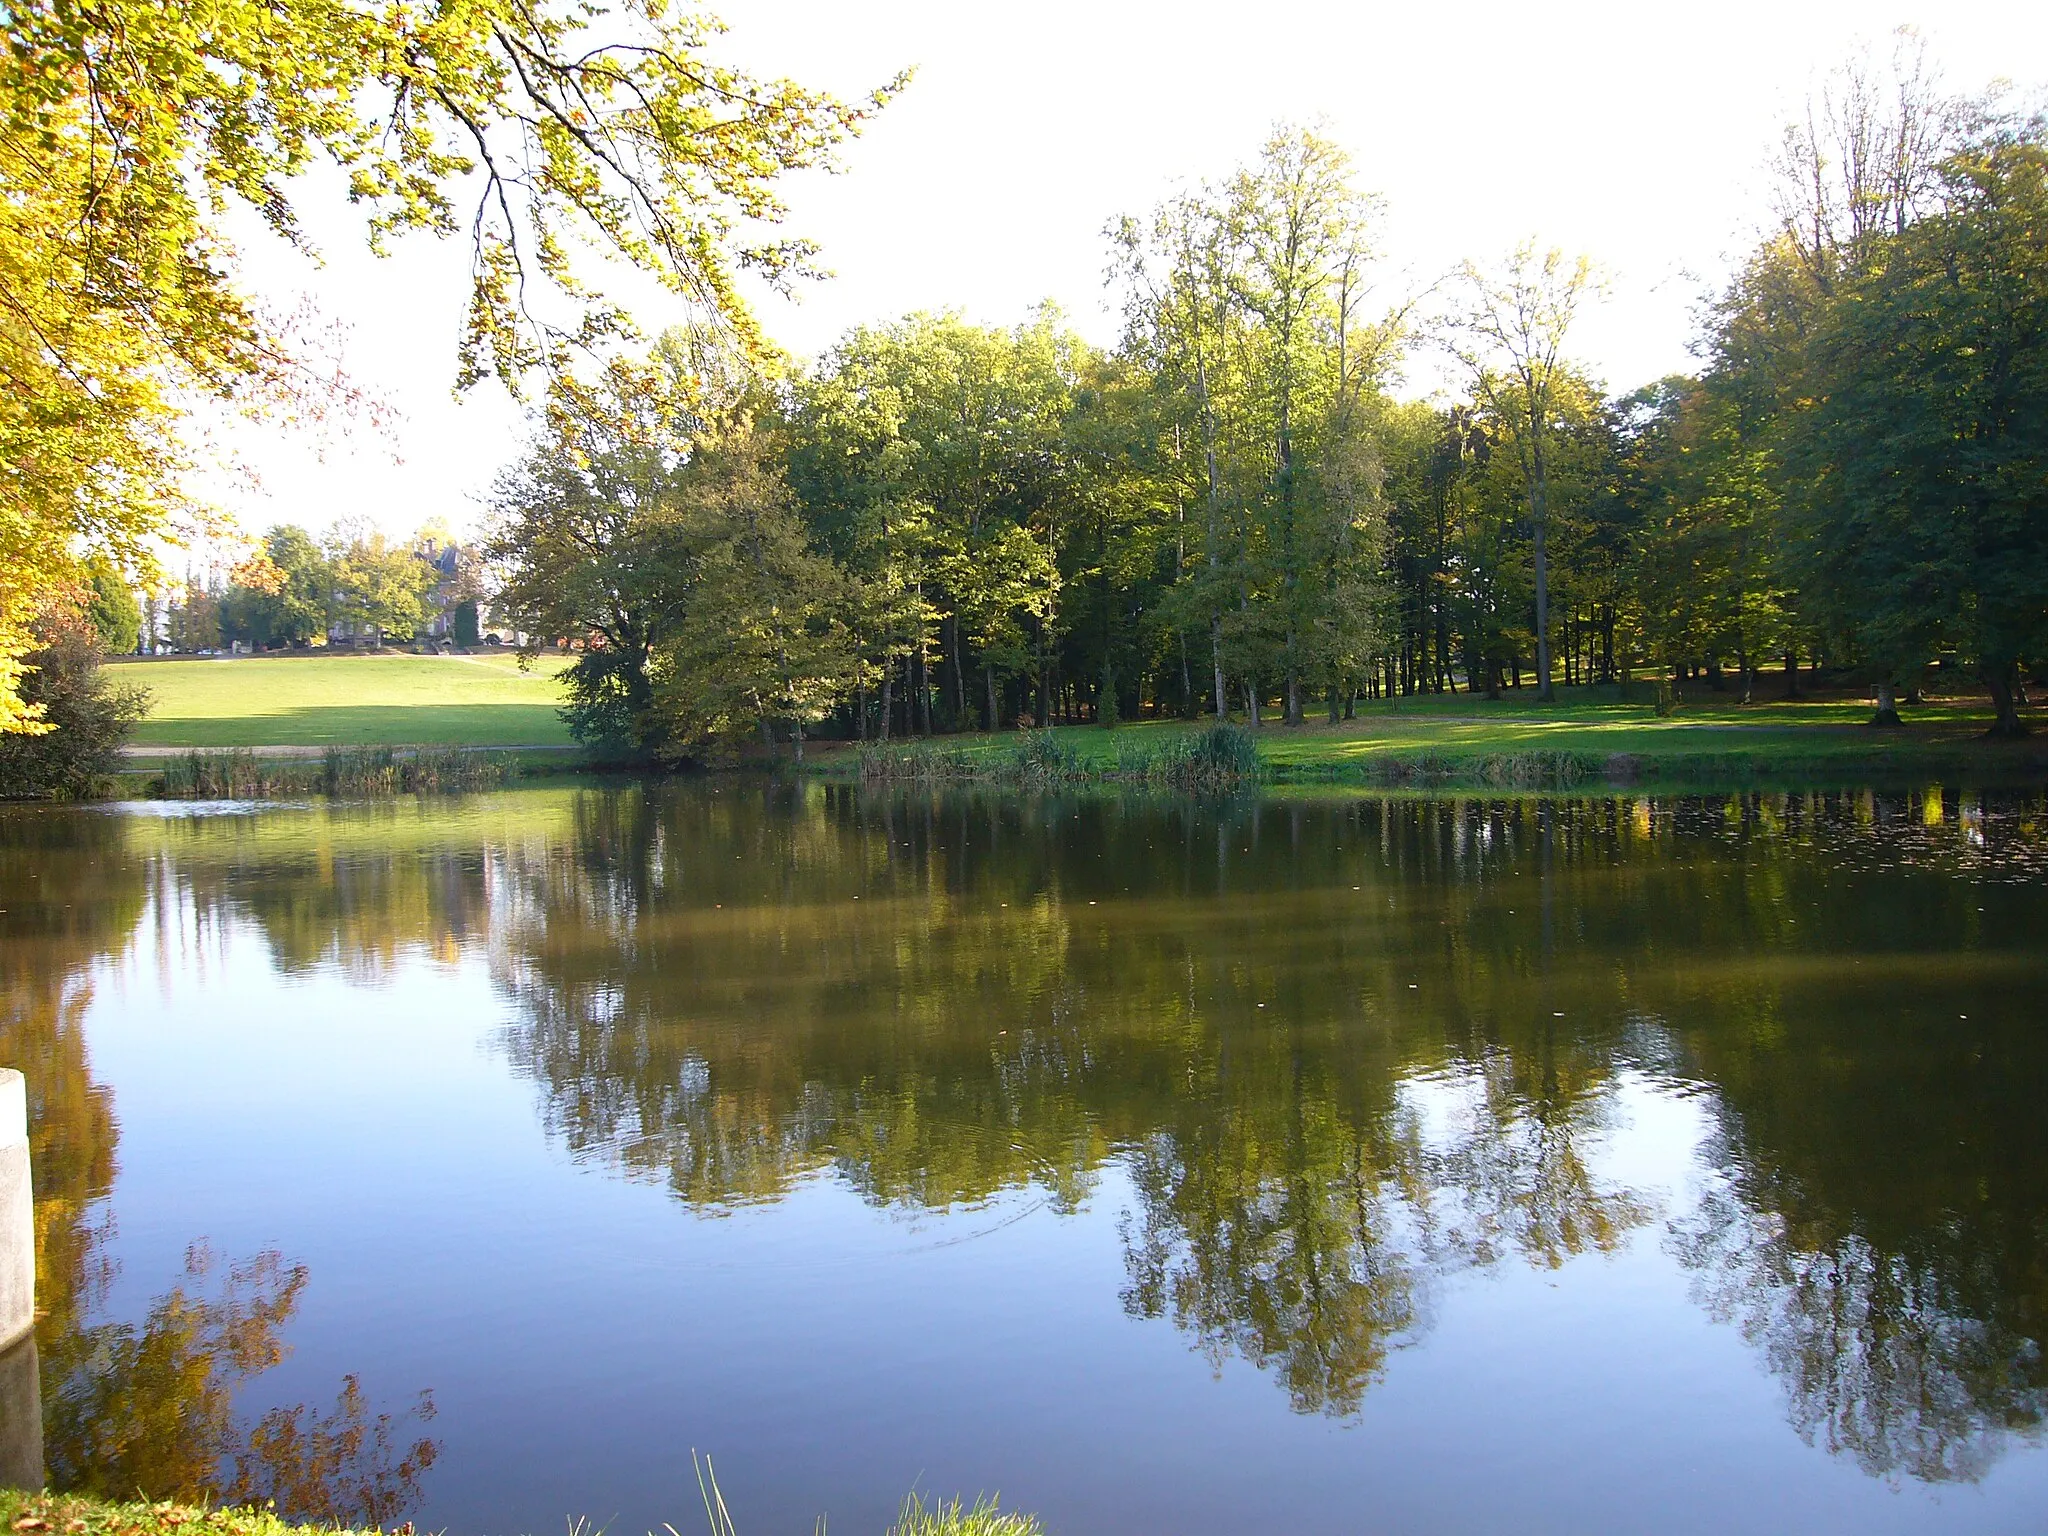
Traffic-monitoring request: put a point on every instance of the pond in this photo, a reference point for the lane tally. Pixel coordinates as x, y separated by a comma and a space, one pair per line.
1319, 1163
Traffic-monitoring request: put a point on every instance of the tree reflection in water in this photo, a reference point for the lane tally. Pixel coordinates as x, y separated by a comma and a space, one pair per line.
729, 993
148, 1407
1344, 1050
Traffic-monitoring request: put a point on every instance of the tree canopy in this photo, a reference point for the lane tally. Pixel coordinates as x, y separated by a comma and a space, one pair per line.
1231, 507
522, 126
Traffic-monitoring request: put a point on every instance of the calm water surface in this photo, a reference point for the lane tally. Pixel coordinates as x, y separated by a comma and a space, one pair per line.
1335, 1165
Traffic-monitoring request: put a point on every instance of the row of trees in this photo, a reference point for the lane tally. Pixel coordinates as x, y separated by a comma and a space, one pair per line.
296, 590
944, 525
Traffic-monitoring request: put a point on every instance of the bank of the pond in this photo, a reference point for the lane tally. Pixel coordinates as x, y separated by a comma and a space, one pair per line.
1457, 742
1592, 738
243, 773
74, 1515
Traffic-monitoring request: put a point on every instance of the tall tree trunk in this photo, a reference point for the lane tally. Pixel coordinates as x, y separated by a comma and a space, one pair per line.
1791, 673
992, 721
2002, 679
1887, 716
1251, 703
1216, 660
888, 689
1044, 680
959, 672
1545, 692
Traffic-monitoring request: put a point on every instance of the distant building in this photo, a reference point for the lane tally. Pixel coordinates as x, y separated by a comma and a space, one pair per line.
446, 561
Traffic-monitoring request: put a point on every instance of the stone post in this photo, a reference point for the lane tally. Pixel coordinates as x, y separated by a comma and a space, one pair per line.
21, 1408
17, 1213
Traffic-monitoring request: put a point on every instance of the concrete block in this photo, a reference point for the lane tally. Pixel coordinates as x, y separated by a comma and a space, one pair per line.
17, 1213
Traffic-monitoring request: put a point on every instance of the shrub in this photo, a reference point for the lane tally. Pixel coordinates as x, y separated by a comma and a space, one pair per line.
90, 718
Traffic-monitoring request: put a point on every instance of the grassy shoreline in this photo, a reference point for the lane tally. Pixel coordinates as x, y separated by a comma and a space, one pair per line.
278, 725
1586, 742
45, 1514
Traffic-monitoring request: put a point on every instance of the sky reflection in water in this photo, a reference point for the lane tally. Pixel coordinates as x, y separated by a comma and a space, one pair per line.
1319, 1163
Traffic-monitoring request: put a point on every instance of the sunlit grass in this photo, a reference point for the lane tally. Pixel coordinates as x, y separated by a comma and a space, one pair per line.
347, 700
1591, 735
70, 1515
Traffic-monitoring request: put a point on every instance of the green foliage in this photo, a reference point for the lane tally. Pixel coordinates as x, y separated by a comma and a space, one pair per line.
380, 589
463, 625
286, 596
762, 636
583, 541
947, 527
933, 457
127, 129
116, 616
91, 715
1921, 450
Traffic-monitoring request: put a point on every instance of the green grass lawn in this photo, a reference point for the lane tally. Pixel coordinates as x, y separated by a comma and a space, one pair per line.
347, 700
1708, 740
487, 701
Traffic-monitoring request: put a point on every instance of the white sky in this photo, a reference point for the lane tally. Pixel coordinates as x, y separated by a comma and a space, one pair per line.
1633, 132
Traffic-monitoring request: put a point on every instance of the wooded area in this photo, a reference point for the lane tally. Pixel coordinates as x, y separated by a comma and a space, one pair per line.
1239, 506
947, 526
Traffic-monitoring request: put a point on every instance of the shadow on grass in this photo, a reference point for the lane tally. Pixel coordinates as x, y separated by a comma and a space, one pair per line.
348, 725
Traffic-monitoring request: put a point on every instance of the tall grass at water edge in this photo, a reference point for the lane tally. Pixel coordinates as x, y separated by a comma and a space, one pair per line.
915, 1518
1219, 757
235, 773
1504, 770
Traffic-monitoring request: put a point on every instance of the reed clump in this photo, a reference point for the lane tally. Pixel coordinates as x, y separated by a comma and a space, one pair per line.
982, 1518
1501, 770
388, 771
233, 773
236, 773
1220, 756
